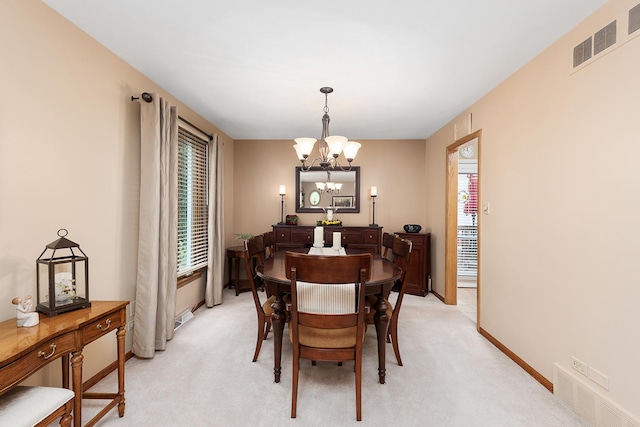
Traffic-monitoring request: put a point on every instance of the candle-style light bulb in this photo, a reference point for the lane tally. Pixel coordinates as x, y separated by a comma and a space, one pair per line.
282, 190
374, 191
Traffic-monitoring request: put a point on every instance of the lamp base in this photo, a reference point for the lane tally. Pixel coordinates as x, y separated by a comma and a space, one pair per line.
282, 223
373, 225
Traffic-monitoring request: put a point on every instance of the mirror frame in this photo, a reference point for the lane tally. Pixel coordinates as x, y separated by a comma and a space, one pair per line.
319, 209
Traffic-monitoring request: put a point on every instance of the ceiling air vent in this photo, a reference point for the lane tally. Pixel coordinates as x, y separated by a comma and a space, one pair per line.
634, 19
604, 38
582, 52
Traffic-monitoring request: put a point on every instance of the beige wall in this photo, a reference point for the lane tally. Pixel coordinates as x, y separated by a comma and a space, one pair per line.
558, 165
69, 153
395, 167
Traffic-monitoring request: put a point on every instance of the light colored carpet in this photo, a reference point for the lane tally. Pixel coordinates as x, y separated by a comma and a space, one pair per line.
451, 376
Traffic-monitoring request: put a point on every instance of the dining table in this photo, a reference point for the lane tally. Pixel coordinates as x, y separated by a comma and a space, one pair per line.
384, 273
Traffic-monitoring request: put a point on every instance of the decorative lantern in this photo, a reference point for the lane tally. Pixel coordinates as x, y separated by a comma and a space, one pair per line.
62, 276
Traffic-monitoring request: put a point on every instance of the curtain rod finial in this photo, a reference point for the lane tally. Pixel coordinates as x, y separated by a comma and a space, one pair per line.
146, 96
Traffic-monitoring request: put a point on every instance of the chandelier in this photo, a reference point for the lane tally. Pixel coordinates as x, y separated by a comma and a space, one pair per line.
329, 186
330, 146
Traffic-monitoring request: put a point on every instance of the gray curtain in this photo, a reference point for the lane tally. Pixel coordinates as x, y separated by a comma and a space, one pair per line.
157, 239
215, 269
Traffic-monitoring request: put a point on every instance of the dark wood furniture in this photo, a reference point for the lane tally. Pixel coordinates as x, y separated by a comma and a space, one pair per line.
361, 239
402, 254
325, 324
254, 254
383, 275
234, 255
23, 351
419, 272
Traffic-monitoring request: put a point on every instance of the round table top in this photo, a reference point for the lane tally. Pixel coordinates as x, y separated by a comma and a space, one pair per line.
383, 271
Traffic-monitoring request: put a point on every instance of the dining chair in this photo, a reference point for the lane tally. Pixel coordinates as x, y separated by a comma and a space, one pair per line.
254, 251
327, 312
387, 243
401, 251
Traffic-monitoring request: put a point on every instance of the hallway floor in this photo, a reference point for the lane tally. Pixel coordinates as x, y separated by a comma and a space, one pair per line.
468, 302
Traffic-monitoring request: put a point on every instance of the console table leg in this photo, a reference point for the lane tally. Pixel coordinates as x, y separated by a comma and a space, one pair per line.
76, 372
120, 340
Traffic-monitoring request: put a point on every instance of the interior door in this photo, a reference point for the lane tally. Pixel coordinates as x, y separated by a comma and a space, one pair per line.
451, 227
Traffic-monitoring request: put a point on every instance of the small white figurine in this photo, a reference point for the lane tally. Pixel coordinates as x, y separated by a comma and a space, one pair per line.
24, 315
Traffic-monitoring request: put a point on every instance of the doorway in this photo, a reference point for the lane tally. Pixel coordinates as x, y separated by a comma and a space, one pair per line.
463, 222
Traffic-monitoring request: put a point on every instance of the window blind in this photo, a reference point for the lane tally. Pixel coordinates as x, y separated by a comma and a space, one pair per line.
192, 202
467, 223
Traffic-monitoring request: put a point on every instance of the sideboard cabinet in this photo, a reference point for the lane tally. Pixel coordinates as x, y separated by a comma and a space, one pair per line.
364, 239
419, 271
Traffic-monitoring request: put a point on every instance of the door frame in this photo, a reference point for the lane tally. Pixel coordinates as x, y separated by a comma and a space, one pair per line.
451, 221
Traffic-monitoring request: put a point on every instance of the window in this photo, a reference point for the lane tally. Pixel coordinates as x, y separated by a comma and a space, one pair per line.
192, 202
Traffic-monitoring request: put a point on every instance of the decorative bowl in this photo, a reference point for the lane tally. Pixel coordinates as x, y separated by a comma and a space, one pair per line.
412, 228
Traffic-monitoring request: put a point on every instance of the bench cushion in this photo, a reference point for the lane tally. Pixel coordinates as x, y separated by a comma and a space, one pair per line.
27, 406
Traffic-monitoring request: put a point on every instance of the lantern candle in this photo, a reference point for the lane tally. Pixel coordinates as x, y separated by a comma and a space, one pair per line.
374, 191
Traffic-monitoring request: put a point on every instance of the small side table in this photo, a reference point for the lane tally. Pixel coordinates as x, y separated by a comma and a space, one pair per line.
234, 255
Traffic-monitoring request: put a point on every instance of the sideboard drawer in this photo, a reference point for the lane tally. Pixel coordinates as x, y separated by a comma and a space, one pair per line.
370, 237
303, 236
283, 235
101, 327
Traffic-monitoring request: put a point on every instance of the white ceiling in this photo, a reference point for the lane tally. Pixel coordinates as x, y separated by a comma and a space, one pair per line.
400, 69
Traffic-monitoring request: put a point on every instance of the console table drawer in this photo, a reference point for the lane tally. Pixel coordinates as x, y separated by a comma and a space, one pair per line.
101, 327
36, 359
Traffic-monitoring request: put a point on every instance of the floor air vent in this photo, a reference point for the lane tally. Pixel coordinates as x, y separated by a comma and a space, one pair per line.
589, 401
183, 318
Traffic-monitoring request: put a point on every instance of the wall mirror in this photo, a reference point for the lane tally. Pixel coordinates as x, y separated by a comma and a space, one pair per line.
346, 199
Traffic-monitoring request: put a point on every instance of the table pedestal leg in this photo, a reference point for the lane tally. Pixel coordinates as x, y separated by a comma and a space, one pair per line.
381, 321
277, 322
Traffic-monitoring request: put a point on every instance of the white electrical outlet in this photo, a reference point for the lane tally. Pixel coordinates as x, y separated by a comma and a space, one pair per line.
579, 366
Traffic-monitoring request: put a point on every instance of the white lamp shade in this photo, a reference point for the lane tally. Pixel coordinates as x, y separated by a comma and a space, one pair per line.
282, 190
320, 185
298, 153
305, 145
374, 191
338, 186
351, 149
336, 143
330, 185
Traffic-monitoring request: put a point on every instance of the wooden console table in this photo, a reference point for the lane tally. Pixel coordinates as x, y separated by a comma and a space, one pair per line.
23, 351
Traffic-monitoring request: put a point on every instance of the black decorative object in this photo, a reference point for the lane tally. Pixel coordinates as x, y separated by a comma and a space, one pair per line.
62, 277
412, 228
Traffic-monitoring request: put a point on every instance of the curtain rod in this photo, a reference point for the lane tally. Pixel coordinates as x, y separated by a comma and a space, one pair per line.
146, 97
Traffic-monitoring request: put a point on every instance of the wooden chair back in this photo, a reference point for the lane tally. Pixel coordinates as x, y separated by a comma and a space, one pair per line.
269, 240
254, 254
336, 274
401, 258
387, 243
